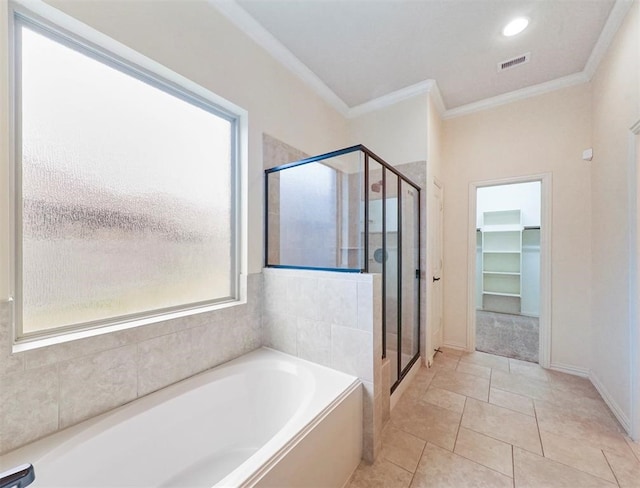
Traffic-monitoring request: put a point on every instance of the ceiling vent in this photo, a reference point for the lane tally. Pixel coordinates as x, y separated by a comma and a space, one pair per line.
513, 62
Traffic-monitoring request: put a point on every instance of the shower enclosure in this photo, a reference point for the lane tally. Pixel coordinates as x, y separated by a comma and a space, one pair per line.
350, 211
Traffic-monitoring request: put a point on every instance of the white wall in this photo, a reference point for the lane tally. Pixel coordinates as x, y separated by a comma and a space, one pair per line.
523, 196
543, 134
616, 107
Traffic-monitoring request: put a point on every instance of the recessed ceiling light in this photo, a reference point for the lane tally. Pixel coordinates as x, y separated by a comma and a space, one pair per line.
516, 26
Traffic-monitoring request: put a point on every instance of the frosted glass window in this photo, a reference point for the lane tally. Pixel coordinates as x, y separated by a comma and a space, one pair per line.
125, 190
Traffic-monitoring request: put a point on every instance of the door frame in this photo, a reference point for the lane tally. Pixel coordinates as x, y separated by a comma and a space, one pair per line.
544, 351
428, 350
634, 276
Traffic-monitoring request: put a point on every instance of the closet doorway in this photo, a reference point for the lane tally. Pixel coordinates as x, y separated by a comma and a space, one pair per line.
509, 309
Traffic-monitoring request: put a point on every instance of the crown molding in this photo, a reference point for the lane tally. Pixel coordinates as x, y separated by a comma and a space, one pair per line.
436, 97
248, 25
528, 92
391, 98
616, 17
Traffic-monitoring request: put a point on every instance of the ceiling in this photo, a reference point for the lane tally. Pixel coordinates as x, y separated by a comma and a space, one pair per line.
361, 50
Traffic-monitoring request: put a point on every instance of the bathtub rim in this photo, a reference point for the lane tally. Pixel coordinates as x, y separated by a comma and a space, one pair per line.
265, 466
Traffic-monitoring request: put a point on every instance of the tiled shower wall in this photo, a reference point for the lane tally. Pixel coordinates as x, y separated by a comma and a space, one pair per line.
332, 319
276, 153
50, 388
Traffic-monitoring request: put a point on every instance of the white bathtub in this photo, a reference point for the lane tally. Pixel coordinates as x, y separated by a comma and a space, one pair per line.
265, 419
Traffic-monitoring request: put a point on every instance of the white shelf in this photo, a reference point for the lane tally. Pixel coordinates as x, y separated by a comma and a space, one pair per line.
501, 234
498, 294
502, 228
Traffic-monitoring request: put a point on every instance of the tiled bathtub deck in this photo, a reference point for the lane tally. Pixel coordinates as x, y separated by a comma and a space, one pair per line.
478, 420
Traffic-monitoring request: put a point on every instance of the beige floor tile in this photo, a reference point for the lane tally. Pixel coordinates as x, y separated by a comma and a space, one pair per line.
484, 450
439, 468
635, 447
584, 457
503, 424
572, 383
445, 399
443, 361
512, 401
464, 384
381, 474
488, 360
532, 471
571, 405
420, 383
428, 422
626, 468
563, 422
526, 368
474, 369
522, 385
401, 448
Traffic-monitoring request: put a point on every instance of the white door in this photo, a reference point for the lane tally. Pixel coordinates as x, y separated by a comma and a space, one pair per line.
435, 280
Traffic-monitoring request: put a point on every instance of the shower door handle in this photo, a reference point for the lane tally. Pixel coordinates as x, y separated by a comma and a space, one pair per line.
436, 279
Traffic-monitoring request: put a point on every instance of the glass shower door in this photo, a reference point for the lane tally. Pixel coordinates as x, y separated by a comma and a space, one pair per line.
410, 276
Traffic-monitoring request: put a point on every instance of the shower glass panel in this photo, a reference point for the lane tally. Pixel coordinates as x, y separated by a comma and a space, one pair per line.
375, 216
410, 278
390, 282
351, 211
313, 214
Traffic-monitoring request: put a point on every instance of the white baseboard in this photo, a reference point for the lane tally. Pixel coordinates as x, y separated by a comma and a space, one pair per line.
566, 368
613, 405
455, 345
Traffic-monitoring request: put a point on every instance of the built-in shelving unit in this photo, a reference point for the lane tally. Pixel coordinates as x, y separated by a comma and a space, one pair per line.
502, 261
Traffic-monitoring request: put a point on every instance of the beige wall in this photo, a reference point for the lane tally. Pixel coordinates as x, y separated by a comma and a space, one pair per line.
543, 134
398, 133
616, 107
435, 149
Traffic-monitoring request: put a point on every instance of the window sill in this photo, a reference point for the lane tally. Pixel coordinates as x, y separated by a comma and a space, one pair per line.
29, 344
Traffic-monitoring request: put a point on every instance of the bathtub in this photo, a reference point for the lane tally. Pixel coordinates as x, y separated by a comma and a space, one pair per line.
264, 419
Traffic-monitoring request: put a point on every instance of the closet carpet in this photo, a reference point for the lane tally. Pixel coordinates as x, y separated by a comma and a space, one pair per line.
512, 336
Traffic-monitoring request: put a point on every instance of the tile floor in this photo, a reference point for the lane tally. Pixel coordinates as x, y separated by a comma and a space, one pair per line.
478, 420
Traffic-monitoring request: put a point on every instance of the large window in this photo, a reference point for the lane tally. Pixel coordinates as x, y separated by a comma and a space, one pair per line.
125, 189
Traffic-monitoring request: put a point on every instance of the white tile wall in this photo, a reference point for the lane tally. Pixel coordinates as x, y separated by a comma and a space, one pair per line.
313, 340
92, 384
329, 318
50, 388
332, 319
